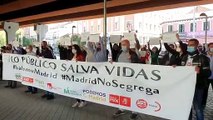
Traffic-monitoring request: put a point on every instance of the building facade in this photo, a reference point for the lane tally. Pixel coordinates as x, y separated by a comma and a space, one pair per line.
189, 27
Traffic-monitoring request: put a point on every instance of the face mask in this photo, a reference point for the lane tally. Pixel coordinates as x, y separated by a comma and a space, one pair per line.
124, 48
211, 50
178, 49
74, 51
27, 50
34, 50
190, 49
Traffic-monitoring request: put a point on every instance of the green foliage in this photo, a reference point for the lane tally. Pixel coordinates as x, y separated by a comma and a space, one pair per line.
2, 38
76, 38
27, 41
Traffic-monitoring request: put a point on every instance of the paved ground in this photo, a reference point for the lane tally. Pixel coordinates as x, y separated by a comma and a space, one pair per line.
17, 105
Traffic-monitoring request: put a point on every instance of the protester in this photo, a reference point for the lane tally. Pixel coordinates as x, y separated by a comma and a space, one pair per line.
142, 52
115, 50
46, 52
178, 54
202, 49
98, 50
154, 54
78, 56
201, 62
30, 51
169, 58
9, 49
210, 79
3, 50
62, 52
126, 55
89, 54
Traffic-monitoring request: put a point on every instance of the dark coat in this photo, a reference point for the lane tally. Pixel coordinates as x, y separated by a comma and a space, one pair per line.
203, 62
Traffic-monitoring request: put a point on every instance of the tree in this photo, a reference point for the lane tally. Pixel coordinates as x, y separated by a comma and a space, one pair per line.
27, 41
2, 38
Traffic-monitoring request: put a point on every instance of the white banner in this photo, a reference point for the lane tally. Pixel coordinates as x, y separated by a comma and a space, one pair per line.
161, 91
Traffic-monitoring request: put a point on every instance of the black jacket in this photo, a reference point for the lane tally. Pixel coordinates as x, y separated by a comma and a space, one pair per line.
134, 56
47, 53
201, 61
176, 58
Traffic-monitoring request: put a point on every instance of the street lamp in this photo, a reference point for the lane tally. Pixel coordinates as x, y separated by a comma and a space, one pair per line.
72, 34
206, 27
73, 29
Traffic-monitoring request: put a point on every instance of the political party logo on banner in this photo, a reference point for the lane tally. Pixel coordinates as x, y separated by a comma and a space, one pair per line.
143, 104
95, 95
18, 76
40, 83
53, 87
69, 91
28, 80
120, 100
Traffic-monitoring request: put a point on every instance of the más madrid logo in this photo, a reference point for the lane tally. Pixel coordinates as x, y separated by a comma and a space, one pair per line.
120, 100
71, 92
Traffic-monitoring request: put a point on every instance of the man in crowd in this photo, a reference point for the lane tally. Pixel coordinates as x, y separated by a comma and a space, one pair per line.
210, 79
201, 62
9, 49
47, 52
3, 48
126, 55
169, 58
30, 51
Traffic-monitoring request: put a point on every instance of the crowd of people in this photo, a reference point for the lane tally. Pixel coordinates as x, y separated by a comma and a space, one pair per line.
183, 54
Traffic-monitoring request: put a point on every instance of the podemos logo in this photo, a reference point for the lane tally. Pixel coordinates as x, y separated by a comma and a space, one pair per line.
120, 100
94, 95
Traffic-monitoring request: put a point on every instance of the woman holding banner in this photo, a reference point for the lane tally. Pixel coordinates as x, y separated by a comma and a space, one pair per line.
78, 56
30, 51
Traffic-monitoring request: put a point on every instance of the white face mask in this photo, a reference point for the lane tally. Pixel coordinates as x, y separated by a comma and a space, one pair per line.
178, 49
27, 50
211, 50
34, 50
74, 51
124, 48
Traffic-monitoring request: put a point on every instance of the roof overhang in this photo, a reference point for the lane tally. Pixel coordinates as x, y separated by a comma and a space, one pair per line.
28, 12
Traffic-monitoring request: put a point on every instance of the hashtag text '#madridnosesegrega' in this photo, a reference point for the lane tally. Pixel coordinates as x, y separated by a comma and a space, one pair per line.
110, 83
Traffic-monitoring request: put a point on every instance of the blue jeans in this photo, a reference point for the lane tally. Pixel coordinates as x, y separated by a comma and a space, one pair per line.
197, 103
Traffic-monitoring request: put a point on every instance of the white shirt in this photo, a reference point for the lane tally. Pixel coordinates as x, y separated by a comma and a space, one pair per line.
189, 61
31, 53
